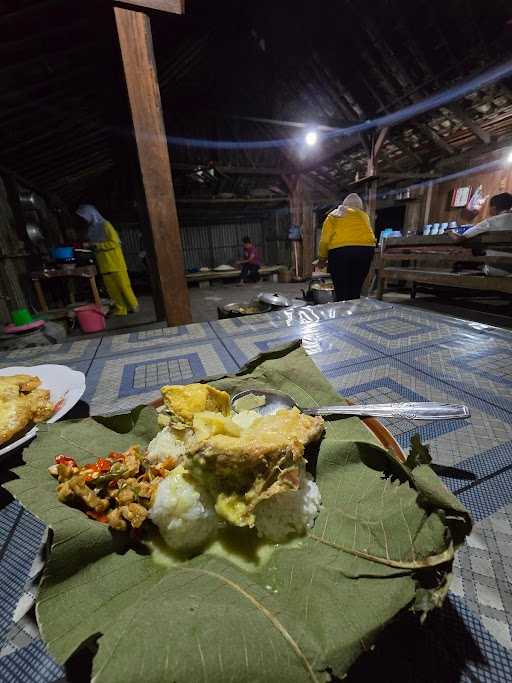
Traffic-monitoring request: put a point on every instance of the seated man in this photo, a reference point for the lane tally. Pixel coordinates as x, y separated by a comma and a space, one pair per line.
250, 263
500, 219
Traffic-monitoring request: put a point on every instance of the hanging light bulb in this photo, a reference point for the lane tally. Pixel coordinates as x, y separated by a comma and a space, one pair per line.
311, 138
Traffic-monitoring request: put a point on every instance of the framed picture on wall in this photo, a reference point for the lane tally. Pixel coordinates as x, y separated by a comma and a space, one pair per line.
460, 197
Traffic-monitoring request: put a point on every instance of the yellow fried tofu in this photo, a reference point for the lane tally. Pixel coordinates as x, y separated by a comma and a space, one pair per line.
40, 405
24, 382
9, 392
183, 402
256, 450
15, 415
288, 424
262, 460
208, 423
22, 402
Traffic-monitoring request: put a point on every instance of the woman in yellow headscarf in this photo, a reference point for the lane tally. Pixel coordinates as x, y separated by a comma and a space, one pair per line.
347, 244
109, 259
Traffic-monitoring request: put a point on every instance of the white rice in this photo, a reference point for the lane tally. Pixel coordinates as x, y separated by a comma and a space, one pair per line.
290, 512
165, 445
183, 512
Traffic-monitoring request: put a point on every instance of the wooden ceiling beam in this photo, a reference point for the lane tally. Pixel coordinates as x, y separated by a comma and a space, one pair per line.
29, 90
399, 142
49, 170
413, 175
379, 141
435, 137
472, 125
172, 6
333, 155
66, 132
56, 54
235, 170
24, 12
315, 184
50, 33
234, 200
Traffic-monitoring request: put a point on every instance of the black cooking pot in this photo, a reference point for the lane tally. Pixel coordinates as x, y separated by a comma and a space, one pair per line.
320, 291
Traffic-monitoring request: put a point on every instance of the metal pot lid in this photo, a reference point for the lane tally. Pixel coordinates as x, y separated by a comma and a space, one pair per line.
274, 299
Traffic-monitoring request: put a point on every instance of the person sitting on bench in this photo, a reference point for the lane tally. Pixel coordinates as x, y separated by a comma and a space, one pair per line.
500, 219
251, 262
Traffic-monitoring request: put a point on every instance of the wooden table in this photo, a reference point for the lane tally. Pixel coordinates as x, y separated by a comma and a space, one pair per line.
473, 456
88, 272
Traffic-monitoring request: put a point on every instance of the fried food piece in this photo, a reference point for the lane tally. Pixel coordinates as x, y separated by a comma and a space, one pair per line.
40, 404
9, 392
288, 424
134, 513
21, 402
258, 448
14, 416
76, 489
116, 520
183, 402
25, 383
241, 471
117, 490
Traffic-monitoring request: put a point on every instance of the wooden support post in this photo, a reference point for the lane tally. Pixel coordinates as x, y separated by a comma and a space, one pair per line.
428, 202
379, 272
134, 32
302, 214
40, 296
94, 289
308, 236
372, 201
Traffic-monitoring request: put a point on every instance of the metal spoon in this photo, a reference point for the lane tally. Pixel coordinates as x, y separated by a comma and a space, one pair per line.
275, 400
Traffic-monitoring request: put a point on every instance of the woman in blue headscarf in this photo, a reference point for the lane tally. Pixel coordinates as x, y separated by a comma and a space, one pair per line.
109, 259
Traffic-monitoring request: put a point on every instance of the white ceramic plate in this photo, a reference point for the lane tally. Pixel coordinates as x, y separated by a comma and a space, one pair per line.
65, 385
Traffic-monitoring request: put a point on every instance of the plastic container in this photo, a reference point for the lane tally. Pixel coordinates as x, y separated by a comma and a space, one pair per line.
91, 318
63, 254
21, 316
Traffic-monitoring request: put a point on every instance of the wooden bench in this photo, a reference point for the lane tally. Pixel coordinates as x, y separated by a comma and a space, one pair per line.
430, 261
204, 279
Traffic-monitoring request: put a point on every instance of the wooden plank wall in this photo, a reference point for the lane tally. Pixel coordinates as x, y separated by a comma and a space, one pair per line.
493, 182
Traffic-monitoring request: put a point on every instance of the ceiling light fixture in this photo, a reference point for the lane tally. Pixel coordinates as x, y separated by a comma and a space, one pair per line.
311, 138
509, 157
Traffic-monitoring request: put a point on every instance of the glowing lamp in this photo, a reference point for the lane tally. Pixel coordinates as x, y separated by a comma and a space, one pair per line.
311, 138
